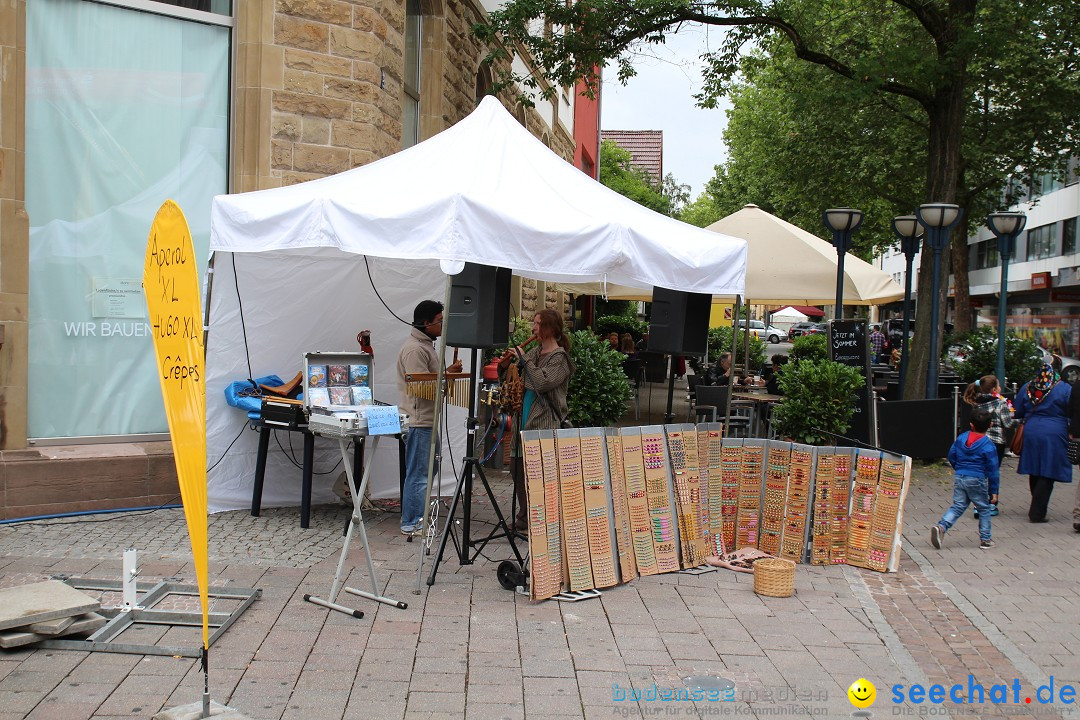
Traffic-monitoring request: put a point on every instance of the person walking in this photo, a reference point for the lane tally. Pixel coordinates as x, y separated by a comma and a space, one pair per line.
985, 394
1043, 404
975, 481
878, 343
1074, 433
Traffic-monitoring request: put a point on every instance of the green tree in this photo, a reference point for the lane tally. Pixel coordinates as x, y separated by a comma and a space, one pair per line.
617, 173
992, 84
702, 212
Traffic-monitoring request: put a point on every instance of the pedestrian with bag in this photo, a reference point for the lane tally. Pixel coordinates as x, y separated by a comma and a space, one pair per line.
1043, 405
985, 394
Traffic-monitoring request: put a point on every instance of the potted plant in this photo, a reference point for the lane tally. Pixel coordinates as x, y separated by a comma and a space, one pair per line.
819, 398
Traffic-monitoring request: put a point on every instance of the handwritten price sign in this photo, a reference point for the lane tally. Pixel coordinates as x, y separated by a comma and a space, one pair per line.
171, 284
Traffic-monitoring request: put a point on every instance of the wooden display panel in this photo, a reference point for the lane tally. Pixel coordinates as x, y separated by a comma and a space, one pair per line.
893, 467
710, 454
661, 498
777, 470
797, 507
575, 531
623, 543
887, 522
594, 478
730, 480
545, 534
748, 522
821, 534
686, 473
839, 500
637, 502
861, 517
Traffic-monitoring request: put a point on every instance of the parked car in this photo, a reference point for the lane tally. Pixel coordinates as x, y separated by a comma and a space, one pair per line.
768, 334
817, 328
799, 329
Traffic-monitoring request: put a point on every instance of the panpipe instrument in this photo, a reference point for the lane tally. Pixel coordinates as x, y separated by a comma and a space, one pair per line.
458, 386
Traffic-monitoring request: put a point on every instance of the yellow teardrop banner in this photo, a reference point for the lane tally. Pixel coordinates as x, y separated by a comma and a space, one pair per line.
171, 284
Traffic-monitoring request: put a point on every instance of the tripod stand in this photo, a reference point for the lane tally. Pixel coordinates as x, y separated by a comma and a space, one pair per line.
463, 496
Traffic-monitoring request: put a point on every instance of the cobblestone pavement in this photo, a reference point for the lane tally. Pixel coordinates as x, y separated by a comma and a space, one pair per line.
467, 648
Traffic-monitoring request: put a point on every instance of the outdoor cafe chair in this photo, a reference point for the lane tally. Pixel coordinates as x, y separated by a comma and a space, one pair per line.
742, 413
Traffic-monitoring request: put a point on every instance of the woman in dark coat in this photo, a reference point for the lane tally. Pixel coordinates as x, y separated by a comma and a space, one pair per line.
1043, 405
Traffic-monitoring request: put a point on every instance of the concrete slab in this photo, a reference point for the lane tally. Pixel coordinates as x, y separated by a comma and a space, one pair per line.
38, 602
82, 624
193, 711
51, 627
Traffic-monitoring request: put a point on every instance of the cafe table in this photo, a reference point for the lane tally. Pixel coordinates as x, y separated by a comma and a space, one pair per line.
762, 401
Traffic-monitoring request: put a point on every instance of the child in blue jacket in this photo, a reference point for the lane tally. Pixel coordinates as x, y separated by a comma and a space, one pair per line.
975, 463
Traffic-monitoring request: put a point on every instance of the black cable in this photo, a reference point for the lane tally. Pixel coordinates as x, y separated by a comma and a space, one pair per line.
868, 446
291, 455
372, 281
114, 516
243, 325
243, 427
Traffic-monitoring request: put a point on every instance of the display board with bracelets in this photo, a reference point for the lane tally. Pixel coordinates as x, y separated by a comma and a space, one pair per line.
609, 504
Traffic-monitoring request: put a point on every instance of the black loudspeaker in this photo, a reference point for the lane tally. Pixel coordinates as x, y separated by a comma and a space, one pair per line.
679, 324
479, 312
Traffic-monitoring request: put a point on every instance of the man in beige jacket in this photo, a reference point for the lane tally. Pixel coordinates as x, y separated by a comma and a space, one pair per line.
418, 356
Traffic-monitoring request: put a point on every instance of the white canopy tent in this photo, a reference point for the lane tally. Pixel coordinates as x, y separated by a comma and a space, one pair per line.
785, 317
289, 276
785, 265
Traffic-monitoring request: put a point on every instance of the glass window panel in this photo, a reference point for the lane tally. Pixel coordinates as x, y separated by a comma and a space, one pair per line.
124, 110
412, 46
1068, 237
410, 122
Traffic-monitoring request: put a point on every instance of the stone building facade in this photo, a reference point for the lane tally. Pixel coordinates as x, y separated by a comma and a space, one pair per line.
314, 87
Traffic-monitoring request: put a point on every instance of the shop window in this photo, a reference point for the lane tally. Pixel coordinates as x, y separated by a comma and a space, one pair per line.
124, 109
1041, 241
1068, 236
410, 96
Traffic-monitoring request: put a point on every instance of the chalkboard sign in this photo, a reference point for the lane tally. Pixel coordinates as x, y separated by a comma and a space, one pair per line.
848, 346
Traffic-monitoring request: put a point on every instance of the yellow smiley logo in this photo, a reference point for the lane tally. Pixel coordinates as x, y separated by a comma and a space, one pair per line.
862, 693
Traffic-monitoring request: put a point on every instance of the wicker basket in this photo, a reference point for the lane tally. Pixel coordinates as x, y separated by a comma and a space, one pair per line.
774, 577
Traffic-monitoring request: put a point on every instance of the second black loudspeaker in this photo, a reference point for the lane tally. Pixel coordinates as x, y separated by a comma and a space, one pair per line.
479, 312
679, 323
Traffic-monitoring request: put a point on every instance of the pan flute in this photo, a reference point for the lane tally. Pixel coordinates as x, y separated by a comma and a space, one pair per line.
458, 387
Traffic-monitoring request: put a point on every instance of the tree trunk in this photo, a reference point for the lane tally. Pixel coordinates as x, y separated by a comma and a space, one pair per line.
946, 127
961, 288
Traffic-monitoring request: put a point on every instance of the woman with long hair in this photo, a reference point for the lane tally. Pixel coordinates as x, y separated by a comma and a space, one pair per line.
545, 372
1043, 405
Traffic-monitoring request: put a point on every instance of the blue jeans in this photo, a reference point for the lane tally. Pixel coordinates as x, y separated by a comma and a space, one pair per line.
969, 491
414, 498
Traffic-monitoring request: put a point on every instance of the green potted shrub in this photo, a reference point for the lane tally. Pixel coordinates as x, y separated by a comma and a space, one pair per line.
810, 347
819, 398
599, 389
1022, 357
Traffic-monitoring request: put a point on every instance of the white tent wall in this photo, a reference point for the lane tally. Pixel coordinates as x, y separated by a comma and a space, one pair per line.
297, 302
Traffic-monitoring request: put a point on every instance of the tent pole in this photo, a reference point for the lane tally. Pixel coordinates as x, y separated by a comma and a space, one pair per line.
731, 383
436, 433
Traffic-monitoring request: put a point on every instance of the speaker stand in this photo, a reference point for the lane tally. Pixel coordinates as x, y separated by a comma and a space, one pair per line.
670, 416
463, 495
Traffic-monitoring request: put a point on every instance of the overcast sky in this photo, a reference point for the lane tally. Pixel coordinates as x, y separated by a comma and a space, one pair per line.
660, 97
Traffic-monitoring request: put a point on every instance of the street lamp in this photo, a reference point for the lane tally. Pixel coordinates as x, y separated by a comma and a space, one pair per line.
938, 219
842, 222
908, 230
1006, 226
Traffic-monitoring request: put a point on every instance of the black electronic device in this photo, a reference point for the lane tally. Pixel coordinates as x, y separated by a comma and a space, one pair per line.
479, 312
679, 323
283, 412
